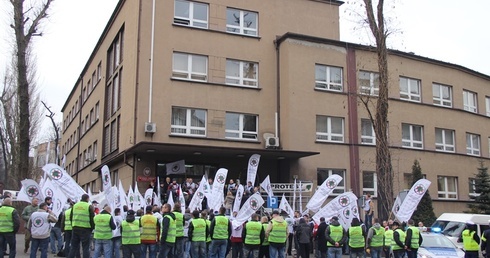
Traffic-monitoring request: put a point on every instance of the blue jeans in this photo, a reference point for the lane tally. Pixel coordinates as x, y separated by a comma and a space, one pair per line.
368, 220
400, 253
187, 247
165, 250
132, 249
218, 248
152, 248
116, 247
356, 253
80, 235
54, 236
105, 245
178, 250
236, 250
274, 251
8, 238
41, 244
198, 249
251, 251
376, 252
334, 252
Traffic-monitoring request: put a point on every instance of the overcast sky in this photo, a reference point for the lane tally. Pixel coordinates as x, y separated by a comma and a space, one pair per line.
453, 31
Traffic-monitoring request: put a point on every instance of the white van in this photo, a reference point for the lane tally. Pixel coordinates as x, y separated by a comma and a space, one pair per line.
453, 224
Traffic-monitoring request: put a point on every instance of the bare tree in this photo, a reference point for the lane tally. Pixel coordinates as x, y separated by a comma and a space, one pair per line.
25, 25
56, 132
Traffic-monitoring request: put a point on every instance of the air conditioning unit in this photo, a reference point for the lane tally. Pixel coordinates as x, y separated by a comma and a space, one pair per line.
150, 127
272, 142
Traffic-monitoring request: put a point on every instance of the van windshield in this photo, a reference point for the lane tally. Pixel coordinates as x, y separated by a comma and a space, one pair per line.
450, 228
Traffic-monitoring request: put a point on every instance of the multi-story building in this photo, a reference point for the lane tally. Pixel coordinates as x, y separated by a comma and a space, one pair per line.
213, 82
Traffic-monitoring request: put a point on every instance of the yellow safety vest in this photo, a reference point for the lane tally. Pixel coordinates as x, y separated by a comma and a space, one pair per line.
253, 233
81, 216
149, 228
171, 230
278, 232
378, 237
356, 239
131, 233
102, 228
266, 239
389, 237
199, 233
6, 221
68, 226
469, 244
414, 243
402, 235
336, 233
179, 223
220, 227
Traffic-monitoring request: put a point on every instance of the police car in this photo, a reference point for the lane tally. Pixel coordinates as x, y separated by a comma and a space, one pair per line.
438, 246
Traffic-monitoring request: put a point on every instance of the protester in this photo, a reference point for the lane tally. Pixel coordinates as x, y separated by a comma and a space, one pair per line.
375, 239
485, 247
303, 234
68, 230
321, 241
55, 235
368, 211
398, 244
220, 232
169, 231
356, 236
264, 247
470, 240
149, 234
253, 235
388, 239
82, 218
198, 232
116, 234
40, 227
187, 243
9, 225
413, 239
130, 232
277, 232
237, 242
336, 237
179, 230
421, 226
26, 215
104, 225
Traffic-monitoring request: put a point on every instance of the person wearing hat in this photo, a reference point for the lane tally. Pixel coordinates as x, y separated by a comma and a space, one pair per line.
277, 233
336, 237
82, 221
398, 244
470, 240
413, 239
130, 233
375, 239
104, 224
485, 247
150, 231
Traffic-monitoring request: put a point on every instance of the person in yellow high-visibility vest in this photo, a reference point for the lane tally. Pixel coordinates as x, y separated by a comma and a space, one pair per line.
198, 232
413, 239
150, 230
169, 230
104, 224
277, 234
471, 240
9, 225
220, 232
82, 221
130, 233
253, 235
336, 237
398, 244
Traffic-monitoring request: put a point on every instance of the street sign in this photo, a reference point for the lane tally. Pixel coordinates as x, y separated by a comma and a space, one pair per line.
273, 202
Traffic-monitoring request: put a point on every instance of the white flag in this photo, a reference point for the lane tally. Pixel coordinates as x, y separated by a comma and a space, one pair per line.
253, 165
64, 181
181, 198
138, 198
198, 195
218, 188
30, 189
396, 205
122, 195
58, 197
347, 214
412, 200
171, 200
131, 197
335, 206
284, 205
177, 167
148, 197
253, 203
323, 192
238, 198
266, 184
107, 186
207, 189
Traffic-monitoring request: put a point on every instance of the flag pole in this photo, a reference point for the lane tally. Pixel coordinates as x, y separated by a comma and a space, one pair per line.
294, 195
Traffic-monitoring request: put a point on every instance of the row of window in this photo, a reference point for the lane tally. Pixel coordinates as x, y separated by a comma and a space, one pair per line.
85, 125
85, 158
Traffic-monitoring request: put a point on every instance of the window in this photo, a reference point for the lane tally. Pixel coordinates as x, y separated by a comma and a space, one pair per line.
97, 110
94, 79
89, 87
369, 83
94, 148
115, 54
447, 187
410, 89
241, 22
191, 14
472, 187
241, 73
188, 121
241, 126
487, 104
442, 95
328, 78
190, 67
330, 129
367, 132
444, 140
472, 144
111, 137
323, 173
369, 183
92, 116
470, 101
115, 176
412, 136
99, 71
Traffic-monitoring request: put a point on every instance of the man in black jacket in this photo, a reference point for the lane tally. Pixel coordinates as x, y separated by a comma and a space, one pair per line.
165, 245
321, 241
11, 221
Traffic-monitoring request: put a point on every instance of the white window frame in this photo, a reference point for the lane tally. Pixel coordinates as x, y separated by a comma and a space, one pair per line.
372, 89
367, 139
340, 188
241, 132
445, 193
472, 187
471, 149
328, 84
439, 100
188, 129
191, 21
189, 74
241, 78
241, 28
412, 84
445, 146
487, 104
411, 143
329, 135
372, 190
470, 101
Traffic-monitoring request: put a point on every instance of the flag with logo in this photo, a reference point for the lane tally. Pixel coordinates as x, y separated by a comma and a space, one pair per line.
207, 189
131, 197
198, 195
266, 185
148, 197
347, 214
336, 206
412, 200
64, 181
252, 205
323, 192
181, 198
284, 205
138, 198
253, 165
218, 188
177, 167
123, 199
57, 196
238, 198
171, 200
107, 186
30, 190
396, 205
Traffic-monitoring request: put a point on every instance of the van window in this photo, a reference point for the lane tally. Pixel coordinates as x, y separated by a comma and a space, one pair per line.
454, 229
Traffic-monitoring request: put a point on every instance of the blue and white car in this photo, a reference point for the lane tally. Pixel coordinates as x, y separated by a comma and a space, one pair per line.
438, 246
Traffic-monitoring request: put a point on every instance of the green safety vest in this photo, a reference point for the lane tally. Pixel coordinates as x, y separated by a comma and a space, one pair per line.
149, 227
415, 237
356, 239
208, 223
81, 216
172, 228
68, 226
220, 228
378, 237
266, 239
6, 221
131, 233
389, 237
253, 233
102, 228
394, 245
336, 233
278, 232
469, 244
199, 233
179, 224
